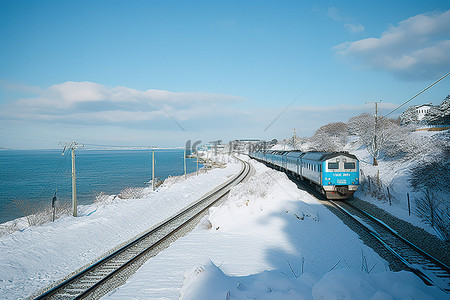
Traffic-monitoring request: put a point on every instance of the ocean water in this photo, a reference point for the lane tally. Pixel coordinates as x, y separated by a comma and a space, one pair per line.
34, 176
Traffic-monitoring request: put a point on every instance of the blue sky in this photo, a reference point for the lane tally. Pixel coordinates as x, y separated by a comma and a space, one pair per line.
162, 72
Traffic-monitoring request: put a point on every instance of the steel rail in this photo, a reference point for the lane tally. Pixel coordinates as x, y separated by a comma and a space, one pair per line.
59, 292
428, 268
440, 271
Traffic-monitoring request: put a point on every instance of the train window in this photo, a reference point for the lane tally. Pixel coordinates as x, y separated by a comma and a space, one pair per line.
333, 165
349, 165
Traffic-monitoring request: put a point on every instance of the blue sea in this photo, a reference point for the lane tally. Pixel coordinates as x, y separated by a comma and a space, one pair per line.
35, 175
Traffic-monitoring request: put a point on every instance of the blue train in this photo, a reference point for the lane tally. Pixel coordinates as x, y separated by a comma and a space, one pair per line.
334, 174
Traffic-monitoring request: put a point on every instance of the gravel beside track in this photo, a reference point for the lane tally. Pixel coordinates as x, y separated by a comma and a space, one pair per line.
112, 271
416, 235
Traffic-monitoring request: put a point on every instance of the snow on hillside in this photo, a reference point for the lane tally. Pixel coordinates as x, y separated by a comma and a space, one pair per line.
393, 173
401, 152
271, 240
268, 240
37, 256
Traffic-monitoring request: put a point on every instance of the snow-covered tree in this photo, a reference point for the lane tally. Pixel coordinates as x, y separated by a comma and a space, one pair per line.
436, 115
409, 116
330, 137
373, 136
439, 115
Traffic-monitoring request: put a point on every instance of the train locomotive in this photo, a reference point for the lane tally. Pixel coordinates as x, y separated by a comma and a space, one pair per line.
334, 174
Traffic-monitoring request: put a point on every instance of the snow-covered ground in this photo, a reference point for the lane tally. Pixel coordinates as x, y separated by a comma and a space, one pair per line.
37, 256
393, 173
270, 240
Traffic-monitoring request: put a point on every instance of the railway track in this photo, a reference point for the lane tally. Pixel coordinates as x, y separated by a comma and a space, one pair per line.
110, 272
425, 266
429, 269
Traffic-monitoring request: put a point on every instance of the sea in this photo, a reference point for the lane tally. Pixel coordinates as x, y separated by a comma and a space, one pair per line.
36, 176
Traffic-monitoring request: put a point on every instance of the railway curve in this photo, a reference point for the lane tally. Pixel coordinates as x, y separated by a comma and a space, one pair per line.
113, 270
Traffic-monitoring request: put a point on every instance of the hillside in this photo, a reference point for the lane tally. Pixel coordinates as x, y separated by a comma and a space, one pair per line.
409, 162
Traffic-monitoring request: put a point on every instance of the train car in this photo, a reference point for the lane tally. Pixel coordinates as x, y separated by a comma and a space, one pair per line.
340, 175
293, 161
277, 158
311, 167
334, 174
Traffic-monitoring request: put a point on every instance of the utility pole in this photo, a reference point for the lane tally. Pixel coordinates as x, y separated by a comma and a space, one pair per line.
74, 185
153, 169
197, 160
375, 150
73, 146
184, 160
294, 139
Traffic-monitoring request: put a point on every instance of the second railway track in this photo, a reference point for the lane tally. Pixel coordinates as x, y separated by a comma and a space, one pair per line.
113, 270
431, 270
428, 268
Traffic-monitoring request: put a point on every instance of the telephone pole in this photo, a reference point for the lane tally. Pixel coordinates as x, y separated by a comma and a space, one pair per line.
153, 169
375, 151
294, 139
197, 159
72, 146
184, 158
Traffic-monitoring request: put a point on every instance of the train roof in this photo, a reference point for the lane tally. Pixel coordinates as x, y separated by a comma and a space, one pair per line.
295, 154
322, 156
278, 152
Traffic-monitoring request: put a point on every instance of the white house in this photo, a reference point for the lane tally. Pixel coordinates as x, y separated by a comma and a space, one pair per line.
422, 110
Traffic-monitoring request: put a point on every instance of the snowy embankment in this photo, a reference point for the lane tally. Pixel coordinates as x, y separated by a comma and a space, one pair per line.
393, 174
271, 240
36, 257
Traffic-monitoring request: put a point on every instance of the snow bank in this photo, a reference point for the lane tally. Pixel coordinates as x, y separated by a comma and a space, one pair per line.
38, 256
393, 173
208, 282
270, 240
259, 197
312, 245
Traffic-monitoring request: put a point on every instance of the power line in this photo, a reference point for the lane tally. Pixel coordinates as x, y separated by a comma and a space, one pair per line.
286, 108
428, 87
51, 180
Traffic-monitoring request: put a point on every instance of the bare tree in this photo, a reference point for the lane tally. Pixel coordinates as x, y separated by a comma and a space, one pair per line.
373, 135
433, 174
427, 207
330, 137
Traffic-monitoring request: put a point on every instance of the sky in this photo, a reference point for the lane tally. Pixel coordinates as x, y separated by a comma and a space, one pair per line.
159, 73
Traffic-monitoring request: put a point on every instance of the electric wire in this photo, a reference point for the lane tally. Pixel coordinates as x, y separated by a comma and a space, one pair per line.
57, 171
421, 92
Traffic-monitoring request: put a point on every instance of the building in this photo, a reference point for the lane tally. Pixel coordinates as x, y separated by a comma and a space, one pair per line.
423, 110
428, 115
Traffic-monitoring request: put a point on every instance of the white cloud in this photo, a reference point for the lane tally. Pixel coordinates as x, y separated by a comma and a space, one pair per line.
104, 115
92, 102
335, 14
417, 48
355, 28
